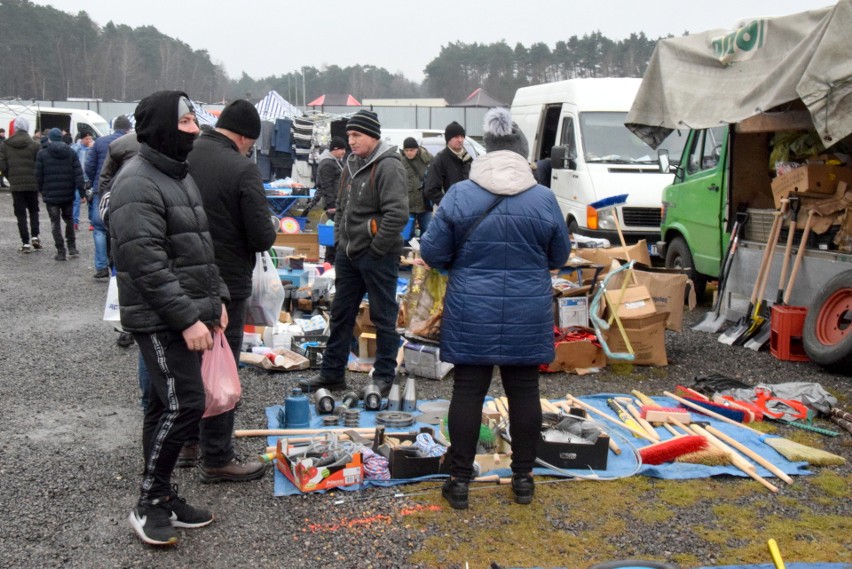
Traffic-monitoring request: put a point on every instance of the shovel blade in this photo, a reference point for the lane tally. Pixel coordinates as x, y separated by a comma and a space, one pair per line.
760, 338
712, 323
733, 333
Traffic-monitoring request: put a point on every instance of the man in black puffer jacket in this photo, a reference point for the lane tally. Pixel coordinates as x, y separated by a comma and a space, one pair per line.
449, 166
171, 297
239, 215
58, 175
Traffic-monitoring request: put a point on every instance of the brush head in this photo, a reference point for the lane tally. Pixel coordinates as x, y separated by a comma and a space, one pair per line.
668, 451
611, 201
797, 452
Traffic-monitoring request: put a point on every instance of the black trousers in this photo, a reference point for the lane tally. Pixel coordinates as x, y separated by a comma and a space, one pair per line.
23, 203
470, 386
59, 213
175, 406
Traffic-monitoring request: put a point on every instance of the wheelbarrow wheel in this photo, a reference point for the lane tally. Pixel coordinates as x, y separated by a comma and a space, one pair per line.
827, 334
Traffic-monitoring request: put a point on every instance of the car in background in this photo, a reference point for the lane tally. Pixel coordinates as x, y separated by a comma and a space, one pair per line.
435, 144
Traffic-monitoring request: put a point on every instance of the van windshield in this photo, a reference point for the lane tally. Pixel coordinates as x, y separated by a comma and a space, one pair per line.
605, 139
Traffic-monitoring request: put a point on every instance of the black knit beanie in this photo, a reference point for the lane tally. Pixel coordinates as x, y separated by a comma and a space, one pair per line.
337, 143
366, 122
121, 122
409, 142
500, 133
240, 117
453, 130
157, 124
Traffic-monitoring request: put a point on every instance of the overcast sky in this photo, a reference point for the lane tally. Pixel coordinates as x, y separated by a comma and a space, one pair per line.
273, 37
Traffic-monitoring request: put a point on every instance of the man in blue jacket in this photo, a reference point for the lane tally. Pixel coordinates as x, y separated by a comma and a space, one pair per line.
59, 176
94, 161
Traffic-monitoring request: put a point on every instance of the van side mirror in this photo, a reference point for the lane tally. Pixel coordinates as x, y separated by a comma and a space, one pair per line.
663, 158
562, 158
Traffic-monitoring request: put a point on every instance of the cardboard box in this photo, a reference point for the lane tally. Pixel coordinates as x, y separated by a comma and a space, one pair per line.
315, 478
632, 302
578, 357
404, 464
306, 244
637, 252
293, 360
647, 336
816, 180
575, 455
668, 291
573, 311
423, 360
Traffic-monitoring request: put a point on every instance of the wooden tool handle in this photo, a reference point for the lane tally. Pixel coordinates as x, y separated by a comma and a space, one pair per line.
638, 432
750, 453
788, 290
644, 399
642, 422
708, 412
737, 460
775, 553
296, 432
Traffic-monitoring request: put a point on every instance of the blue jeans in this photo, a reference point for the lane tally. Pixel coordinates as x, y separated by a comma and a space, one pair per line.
144, 381
99, 234
377, 278
76, 208
423, 220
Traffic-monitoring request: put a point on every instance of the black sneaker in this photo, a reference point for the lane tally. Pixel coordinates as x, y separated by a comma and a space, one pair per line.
125, 339
101, 274
60, 256
152, 523
73, 253
36, 243
311, 384
455, 491
185, 516
523, 488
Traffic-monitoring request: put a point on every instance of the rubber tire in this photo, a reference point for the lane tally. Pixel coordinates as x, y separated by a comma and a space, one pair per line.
827, 334
573, 226
678, 256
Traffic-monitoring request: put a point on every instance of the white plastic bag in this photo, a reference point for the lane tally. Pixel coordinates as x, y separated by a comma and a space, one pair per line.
222, 389
111, 309
267, 293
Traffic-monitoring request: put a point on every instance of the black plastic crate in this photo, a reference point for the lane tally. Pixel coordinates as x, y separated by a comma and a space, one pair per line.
314, 351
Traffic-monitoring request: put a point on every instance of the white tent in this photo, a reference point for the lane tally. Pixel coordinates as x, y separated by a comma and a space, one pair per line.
274, 106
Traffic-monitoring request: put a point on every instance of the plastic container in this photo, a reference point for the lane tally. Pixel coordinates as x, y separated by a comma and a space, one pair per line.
785, 333
297, 410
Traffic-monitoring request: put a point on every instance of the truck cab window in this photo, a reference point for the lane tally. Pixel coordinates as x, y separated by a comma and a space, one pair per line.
706, 150
567, 136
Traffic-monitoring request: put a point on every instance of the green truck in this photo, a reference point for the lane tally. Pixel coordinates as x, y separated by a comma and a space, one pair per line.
734, 92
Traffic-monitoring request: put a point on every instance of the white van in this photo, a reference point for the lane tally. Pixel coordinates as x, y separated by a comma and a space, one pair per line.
46, 118
578, 125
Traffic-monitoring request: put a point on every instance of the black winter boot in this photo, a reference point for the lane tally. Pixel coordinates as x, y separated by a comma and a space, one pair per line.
455, 491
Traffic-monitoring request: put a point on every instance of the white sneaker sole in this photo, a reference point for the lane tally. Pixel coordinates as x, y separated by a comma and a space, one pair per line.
139, 527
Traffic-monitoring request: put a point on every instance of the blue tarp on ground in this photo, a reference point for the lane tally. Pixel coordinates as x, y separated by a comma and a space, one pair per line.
617, 465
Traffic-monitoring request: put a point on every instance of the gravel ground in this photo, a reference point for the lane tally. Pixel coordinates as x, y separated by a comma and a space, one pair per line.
70, 452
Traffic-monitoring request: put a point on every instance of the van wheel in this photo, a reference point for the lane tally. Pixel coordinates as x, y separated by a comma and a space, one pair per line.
827, 333
679, 257
573, 226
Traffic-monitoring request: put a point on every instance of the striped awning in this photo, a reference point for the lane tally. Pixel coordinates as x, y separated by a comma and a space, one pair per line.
274, 106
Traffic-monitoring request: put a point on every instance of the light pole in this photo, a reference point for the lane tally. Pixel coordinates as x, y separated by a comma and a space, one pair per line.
304, 100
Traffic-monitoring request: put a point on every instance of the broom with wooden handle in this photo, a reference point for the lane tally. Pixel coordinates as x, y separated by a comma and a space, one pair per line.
790, 450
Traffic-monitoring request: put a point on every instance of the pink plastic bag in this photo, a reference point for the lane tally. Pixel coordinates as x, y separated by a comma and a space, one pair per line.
222, 388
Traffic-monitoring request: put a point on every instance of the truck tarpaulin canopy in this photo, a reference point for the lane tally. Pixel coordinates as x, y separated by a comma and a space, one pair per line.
725, 76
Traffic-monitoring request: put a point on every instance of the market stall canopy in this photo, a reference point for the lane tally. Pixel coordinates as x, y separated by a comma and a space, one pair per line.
274, 106
481, 98
725, 76
335, 101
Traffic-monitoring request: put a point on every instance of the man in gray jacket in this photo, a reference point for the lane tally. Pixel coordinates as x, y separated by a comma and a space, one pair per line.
371, 213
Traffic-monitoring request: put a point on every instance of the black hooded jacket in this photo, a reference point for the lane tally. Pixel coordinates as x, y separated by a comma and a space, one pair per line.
161, 243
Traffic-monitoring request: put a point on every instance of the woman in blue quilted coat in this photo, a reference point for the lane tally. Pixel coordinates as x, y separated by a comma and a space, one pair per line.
499, 234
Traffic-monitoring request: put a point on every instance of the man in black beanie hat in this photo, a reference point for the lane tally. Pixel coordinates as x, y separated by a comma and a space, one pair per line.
328, 182
171, 298
236, 207
416, 161
450, 165
372, 210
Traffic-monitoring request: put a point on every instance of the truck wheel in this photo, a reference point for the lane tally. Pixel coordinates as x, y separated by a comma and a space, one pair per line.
573, 226
679, 257
827, 334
